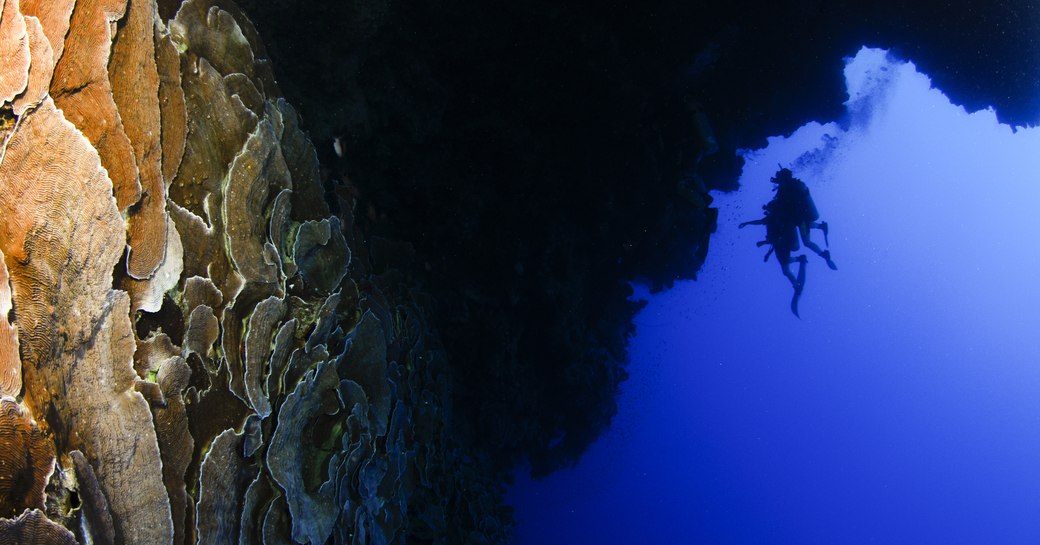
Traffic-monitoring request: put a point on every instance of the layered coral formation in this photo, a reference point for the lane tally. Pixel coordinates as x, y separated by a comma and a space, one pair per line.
195, 347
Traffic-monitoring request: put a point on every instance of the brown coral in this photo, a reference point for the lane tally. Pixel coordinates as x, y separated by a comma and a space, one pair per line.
254, 172
258, 343
97, 519
217, 129
66, 240
175, 441
171, 104
62, 253
213, 33
26, 460
33, 528
225, 476
147, 294
10, 365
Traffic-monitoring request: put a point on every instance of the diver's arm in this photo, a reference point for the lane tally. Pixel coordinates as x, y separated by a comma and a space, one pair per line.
752, 222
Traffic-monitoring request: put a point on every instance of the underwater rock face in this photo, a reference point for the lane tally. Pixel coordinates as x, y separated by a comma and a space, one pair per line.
194, 348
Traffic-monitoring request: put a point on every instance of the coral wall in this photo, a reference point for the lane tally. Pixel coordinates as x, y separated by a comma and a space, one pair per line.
195, 347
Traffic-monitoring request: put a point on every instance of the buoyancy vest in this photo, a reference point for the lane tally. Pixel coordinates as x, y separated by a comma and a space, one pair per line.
794, 204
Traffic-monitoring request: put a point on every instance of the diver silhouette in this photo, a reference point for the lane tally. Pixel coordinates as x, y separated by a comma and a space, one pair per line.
790, 216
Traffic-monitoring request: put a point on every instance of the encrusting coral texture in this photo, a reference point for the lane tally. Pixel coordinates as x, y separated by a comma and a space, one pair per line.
194, 344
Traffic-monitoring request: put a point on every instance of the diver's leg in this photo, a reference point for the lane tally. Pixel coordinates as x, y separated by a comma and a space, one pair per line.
822, 225
785, 259
803, 230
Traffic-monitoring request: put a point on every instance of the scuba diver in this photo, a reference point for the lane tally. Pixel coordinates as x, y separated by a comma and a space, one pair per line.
789, 217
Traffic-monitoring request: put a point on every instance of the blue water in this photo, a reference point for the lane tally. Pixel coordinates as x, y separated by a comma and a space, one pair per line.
903, 408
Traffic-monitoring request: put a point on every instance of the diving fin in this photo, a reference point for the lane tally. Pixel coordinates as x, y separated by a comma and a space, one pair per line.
830, 263
798, 285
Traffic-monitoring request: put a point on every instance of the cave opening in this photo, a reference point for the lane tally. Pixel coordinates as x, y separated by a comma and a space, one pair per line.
900, 408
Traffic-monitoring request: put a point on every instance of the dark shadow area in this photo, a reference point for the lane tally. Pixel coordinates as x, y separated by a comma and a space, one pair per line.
539, 155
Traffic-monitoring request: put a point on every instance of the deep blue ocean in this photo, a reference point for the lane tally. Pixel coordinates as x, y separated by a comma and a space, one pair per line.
903, 407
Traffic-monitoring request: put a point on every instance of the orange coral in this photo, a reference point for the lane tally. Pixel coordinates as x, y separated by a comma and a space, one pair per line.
14, 51
82, 90
135, 90
54, 17
41, 68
